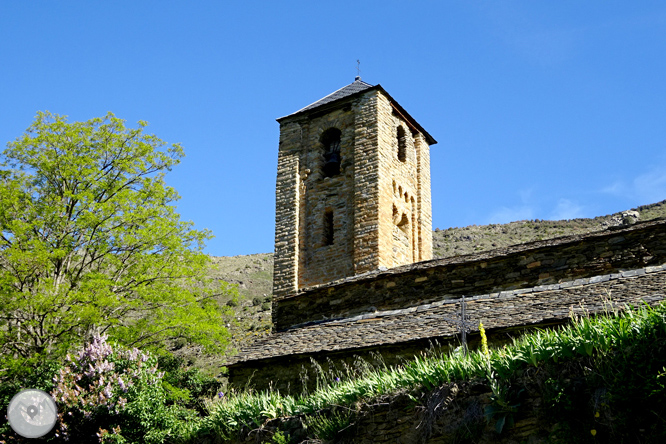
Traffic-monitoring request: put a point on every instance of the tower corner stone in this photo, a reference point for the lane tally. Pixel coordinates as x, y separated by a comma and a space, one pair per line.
352, 189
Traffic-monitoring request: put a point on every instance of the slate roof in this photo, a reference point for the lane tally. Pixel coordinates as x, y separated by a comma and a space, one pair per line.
512, 308
358, 87
344, 92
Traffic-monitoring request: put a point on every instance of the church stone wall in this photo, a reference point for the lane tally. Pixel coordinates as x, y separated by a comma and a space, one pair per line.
366, 195
540, 263
320, 262
287, 206
405, 208
375, 213
304, 195
424, 202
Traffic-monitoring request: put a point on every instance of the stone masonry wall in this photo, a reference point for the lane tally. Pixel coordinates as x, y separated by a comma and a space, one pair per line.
424, 201
320, 262
281, 360
304, 195
380, 211
403, 209
398, 190
287, 204
366, 198
534, 264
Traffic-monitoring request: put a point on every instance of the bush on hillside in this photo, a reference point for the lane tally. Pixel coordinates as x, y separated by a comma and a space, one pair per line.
108, 393
187, 386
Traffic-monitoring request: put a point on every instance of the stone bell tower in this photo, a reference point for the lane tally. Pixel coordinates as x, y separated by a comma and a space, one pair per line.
353, 189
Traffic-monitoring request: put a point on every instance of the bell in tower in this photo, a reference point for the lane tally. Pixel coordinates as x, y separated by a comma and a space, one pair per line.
331, 143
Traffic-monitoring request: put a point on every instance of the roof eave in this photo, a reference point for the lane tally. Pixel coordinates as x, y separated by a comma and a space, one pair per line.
403, 113
325, 106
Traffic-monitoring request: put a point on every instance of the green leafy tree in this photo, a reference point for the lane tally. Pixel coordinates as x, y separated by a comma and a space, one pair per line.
90, 243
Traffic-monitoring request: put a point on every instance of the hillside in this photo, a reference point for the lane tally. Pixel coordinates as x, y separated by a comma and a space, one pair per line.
476, 238
253, 274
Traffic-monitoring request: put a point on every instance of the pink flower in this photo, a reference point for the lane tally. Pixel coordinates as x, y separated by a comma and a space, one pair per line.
122, 385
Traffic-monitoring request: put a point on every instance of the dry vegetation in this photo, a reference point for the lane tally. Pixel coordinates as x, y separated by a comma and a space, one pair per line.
476, 238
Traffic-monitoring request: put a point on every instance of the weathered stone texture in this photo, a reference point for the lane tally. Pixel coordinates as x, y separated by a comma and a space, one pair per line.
366, 202
287, 212
451, 413
402, 207
373, 213
528, 265
279, 359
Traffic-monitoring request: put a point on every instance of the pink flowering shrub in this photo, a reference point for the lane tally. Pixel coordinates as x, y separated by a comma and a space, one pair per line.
110, 394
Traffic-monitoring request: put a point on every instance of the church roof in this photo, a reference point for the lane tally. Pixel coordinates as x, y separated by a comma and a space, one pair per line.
344, 92
355, 88
541, 305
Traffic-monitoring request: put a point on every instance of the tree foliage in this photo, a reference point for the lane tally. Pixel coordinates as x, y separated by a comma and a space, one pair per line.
90, 242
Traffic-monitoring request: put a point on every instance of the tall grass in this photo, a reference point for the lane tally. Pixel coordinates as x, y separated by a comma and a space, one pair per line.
584, 336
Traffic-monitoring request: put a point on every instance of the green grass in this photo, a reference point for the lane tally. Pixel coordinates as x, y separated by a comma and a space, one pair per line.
584, 337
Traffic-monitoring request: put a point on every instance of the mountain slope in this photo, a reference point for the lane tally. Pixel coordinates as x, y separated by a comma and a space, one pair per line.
254, 273
476, 238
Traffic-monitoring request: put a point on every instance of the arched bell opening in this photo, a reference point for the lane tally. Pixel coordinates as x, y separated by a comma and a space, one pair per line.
330, 139
402, 144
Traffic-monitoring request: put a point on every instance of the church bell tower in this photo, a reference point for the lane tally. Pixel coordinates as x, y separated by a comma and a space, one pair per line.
352, 191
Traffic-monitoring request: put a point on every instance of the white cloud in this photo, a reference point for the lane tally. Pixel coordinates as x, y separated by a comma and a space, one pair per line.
651, 186
532, 35
523, 211
647, 187
525, 195
505, 215
566, 209
618, 188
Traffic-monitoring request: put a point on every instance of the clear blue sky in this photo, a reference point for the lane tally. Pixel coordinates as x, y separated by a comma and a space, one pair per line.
548, 110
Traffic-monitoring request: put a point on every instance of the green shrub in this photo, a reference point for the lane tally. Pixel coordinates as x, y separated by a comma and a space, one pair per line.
110, 394
280, 438
187, 386
326, 426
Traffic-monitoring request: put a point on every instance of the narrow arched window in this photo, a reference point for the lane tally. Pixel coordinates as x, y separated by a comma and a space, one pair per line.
403, 223
330, 139
329, 233
402, 144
